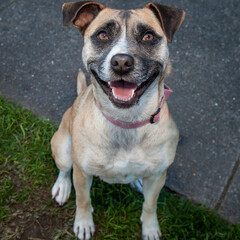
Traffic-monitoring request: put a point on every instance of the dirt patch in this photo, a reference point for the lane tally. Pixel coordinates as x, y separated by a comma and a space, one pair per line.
25, 227
42, 228
40, 218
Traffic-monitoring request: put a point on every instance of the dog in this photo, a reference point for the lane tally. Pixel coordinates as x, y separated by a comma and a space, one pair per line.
119, 128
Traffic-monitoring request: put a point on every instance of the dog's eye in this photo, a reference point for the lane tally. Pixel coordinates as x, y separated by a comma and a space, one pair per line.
148, 37
102, 36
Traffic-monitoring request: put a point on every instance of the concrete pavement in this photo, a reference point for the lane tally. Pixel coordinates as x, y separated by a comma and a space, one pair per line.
40, 59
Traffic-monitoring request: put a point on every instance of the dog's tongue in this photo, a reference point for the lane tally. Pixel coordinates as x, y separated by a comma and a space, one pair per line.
122, 89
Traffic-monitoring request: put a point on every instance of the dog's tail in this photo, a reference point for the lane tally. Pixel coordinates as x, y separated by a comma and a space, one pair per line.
81, 82
137, 185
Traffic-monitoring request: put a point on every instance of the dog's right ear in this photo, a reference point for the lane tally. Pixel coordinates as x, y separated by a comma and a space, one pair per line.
80, 14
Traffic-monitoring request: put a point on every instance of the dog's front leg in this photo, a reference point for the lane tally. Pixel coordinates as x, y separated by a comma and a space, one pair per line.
151, 189
83, 225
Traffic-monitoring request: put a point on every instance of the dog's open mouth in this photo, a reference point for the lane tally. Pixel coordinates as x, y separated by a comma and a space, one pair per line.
122, 93
123, 90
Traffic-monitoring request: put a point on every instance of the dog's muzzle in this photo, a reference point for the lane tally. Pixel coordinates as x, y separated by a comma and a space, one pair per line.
123, 89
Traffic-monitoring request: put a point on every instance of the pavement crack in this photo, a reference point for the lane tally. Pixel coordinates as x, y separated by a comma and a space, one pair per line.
229, 182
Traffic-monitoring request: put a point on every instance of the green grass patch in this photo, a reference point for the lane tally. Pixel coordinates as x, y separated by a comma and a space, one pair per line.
27, 173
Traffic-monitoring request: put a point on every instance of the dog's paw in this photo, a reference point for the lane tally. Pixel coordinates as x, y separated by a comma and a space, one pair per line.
151, 234
83, 228
62, 188
151, 230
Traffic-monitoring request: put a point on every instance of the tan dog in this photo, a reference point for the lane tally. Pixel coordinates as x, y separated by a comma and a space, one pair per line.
108, 131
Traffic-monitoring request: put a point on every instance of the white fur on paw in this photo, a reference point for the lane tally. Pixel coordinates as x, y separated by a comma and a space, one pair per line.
62, 188
151, 230
151, 234
83, 228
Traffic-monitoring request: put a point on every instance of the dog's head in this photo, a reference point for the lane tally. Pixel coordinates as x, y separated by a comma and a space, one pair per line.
125, 51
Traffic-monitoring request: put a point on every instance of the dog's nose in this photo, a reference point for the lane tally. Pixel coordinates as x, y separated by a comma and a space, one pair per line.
122, 63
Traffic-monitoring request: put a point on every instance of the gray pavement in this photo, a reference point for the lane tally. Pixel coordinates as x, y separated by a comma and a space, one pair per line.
40, 59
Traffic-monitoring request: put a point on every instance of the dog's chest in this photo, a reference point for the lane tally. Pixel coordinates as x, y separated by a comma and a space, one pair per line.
124, 165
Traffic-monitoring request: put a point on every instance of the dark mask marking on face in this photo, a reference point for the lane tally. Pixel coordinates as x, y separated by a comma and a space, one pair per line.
142, 30
147, 68
111, 29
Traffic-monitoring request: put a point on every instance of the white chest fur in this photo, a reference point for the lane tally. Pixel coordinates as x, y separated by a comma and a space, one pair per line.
120, 155
115, 162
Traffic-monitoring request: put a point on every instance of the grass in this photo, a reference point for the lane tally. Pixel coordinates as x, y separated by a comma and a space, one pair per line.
27, 173
7, 5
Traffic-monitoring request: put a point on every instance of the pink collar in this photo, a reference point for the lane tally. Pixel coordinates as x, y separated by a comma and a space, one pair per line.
153, 119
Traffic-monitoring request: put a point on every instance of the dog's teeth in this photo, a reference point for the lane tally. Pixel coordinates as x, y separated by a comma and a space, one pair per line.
122, 98
132, 94
115, 95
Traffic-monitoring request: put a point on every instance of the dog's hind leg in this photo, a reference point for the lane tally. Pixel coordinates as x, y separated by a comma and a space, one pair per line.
81, 82
61, 150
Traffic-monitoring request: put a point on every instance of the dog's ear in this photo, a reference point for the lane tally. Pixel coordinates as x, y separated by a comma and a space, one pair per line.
170, 18
80, 14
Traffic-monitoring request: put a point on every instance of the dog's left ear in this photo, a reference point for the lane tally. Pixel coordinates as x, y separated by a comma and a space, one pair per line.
170, 18
80, 14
